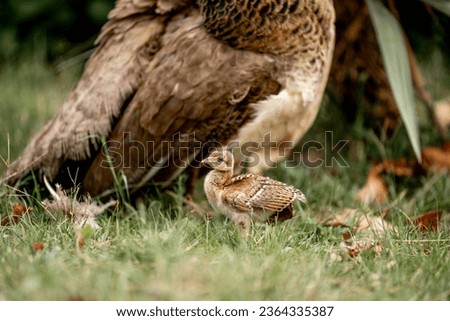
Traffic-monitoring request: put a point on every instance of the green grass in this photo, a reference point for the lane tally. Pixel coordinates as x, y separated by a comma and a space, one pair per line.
159, 251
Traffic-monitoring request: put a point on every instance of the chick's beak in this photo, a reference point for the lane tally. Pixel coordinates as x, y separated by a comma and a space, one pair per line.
206, 163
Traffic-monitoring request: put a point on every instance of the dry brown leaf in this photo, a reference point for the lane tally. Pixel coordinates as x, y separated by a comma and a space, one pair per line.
428, 221
37, 246
375, 224
442, 112
364, 229
342, 218
352, 247
347, 236
339, 219
356, 247
18, 211
402, 168
335, 223
375, 190
436, 159
359, 222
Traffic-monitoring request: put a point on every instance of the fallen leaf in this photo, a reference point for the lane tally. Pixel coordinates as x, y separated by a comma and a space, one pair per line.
404, 168
37, 246
18, 211
359, 222
352, 247
364, 230
375, 189
428, 221
442, 113
345, 219
436, 159
347, 236
375, 224
8, 220
356, 246
335, 223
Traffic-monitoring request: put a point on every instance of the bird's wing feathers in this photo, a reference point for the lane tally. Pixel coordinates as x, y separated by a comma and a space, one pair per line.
126, 45
159, 73
186, 98
155, 73
251, 192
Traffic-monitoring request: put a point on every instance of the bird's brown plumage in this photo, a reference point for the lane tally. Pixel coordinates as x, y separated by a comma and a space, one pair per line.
170, 75
248, 197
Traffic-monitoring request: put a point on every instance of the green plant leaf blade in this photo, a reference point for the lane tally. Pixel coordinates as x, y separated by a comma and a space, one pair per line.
441, 5
396, 62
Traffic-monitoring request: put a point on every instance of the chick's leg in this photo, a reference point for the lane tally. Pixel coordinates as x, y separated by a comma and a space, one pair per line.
243, 223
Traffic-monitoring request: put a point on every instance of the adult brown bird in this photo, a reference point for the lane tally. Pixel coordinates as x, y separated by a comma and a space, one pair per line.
171, 78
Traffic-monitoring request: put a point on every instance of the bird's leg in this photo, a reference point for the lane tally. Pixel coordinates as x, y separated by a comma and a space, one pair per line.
243, 224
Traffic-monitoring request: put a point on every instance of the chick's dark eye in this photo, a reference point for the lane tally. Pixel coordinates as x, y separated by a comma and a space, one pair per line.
220, 159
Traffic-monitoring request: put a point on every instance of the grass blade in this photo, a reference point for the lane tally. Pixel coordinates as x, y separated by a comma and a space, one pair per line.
441, 5
395, 58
